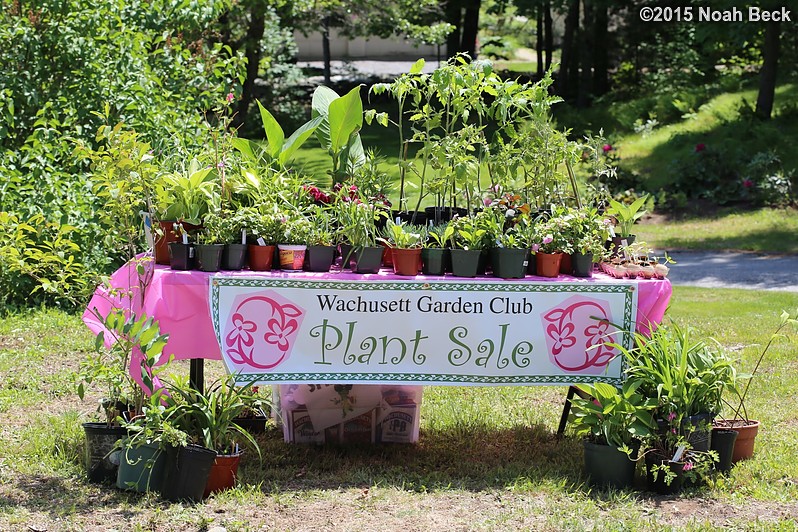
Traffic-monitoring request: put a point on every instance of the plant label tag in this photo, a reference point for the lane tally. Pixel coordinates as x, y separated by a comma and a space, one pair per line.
397, 221
678, 454
261, 242
612, 231
147, 220
243, 237
526, 263
185, 237
191, 252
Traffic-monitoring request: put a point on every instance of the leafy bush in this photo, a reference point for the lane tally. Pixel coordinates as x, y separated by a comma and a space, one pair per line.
66, 68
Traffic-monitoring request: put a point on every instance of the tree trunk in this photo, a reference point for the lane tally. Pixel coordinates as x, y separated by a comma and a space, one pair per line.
539, 39
468, 43
454, 16
567, 55
255, 31
548, 40
325, 50
600, 48
585, 37
767, 75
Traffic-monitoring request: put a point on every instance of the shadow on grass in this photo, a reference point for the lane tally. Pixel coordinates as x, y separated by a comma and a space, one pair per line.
474, 459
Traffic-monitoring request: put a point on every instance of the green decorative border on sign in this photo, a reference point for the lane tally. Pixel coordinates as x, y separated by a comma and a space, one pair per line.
420, 378
628, 288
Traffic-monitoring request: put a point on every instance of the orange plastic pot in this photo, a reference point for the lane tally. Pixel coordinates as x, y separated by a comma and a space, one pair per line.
223, 474
548, 264
260, 257
406, 261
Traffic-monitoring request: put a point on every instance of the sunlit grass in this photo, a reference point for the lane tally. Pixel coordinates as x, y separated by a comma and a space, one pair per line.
764, 230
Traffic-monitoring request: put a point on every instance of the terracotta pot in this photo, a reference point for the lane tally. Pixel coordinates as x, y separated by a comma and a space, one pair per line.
744, 445
548, 264
223, 474
387, 255
566, 264
406, 261
261, 258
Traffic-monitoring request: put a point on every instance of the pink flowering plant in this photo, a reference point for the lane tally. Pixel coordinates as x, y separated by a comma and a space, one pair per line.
553, 235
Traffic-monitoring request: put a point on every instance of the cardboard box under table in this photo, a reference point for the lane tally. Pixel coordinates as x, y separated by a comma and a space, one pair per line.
350, 413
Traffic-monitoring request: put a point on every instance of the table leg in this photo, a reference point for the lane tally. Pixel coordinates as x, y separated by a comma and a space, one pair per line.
196, 374
566, 408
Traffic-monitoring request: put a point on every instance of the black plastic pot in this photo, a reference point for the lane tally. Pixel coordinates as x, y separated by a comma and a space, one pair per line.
411, 217
433, 261
698, 429
659, 485
320, 258
234, 256
367, 259
181, 256
582, 264
509, 263
209, 257
723, 442
101, 456
465, 262
532, 267
141, 468
605, 465
186, 472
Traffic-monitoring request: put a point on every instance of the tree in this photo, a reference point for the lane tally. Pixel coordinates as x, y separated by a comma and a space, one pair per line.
418, 20
767, 75
463, 15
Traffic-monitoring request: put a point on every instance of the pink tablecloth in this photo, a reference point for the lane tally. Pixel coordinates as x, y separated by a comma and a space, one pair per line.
179, 301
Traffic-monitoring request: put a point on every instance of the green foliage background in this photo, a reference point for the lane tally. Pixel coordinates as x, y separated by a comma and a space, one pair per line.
67, 67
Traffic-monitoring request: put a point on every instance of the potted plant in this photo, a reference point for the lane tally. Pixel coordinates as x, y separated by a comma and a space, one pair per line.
511, 255
740, 421
143, 450
209, 420
263, 231
293, 242
687, 377
358, 229
181, 197
131, 339
210, 243
550, 242
612, 422
588, 233
435, 255
182, 254
625, 217
321, 251
234, 226
405, 242
468, 242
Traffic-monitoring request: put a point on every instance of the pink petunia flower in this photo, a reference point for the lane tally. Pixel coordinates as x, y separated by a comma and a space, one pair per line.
748, 183
700, 147
230, 97
687, 466
607, 148
548, 239
671, 416
535, 247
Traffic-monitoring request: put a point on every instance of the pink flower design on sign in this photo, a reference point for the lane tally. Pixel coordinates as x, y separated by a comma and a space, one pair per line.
261, 330
576, 335
278, 333
241, 332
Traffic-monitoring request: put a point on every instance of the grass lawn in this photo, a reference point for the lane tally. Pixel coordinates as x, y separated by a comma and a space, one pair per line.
488, 458
764, 230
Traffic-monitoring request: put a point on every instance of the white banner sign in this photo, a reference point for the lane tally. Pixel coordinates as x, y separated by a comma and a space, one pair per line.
481, 332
